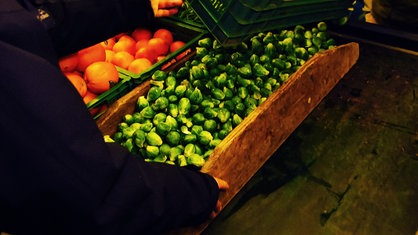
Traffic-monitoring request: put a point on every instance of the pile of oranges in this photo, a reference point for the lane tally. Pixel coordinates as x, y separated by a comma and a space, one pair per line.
92, 70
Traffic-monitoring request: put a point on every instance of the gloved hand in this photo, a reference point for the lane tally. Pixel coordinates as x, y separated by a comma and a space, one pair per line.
164, 8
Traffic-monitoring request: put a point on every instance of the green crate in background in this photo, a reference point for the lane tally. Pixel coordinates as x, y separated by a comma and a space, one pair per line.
128, 80
231, 21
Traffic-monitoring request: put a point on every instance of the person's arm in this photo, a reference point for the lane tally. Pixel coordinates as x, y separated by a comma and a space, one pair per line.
57, 174
76, 24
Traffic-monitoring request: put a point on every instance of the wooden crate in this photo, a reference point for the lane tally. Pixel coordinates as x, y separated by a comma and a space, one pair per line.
249, 145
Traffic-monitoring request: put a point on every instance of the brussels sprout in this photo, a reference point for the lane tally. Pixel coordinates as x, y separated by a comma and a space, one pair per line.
146, 126
172, 122
180, 90
227, 125
236, 119
195, 160
242, 92
198, 118
128, 132
185, 130
240, 108
196, 96
207, 153
221, 79
260, 70
173, 110
159, 75
147, 112
173, 138
288, 44
322, 26
189, 149
118, 136
218, 94
128, 144
206, 42
237, 59
210, 125
229, 94
165, 150
207, 104
245, 71
142, 102
196, 129
223, 115
316, 41
160, 158
210, 112
214, 143
270, 50
154, 139
231, 69
189, 138
152, 151
228, 104
209, 61
181, 160
182, 72
171, 81
256, 46
174, 153
205, 137
223, 133
183, 119
158, 118
160, 103
139, 137
197, 73
138, 118
184, 105
128, 119
162, 128
153, 93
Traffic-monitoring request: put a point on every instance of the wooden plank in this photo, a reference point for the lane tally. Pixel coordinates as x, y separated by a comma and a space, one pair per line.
241, 154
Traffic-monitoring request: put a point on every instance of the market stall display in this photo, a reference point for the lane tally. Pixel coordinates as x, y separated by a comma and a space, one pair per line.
252, 140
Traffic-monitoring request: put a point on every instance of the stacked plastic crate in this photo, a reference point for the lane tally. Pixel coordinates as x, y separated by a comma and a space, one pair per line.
231, 21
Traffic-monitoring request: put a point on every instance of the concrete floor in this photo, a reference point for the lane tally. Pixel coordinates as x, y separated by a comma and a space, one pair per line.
350, 168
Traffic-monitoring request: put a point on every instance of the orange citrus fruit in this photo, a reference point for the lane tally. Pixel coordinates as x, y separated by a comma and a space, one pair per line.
89, 97
141, 34
89, 55
125, 43
78, 82
158, 45
68, 63
148, 53
109, 55
101, 76
174, 46
141, 43
164, 34
122, 59
109, 43
139, 65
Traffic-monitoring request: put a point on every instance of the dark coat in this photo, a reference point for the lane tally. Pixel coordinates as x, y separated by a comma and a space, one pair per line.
57, 175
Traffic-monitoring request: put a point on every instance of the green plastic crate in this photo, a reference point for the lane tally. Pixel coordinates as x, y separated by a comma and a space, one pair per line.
128, 80
232, 21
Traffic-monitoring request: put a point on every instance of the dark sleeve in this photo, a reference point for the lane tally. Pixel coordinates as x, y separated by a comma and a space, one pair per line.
76, 24
57, 175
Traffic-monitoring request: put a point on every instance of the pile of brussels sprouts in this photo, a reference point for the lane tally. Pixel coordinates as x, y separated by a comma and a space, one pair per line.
186, 113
